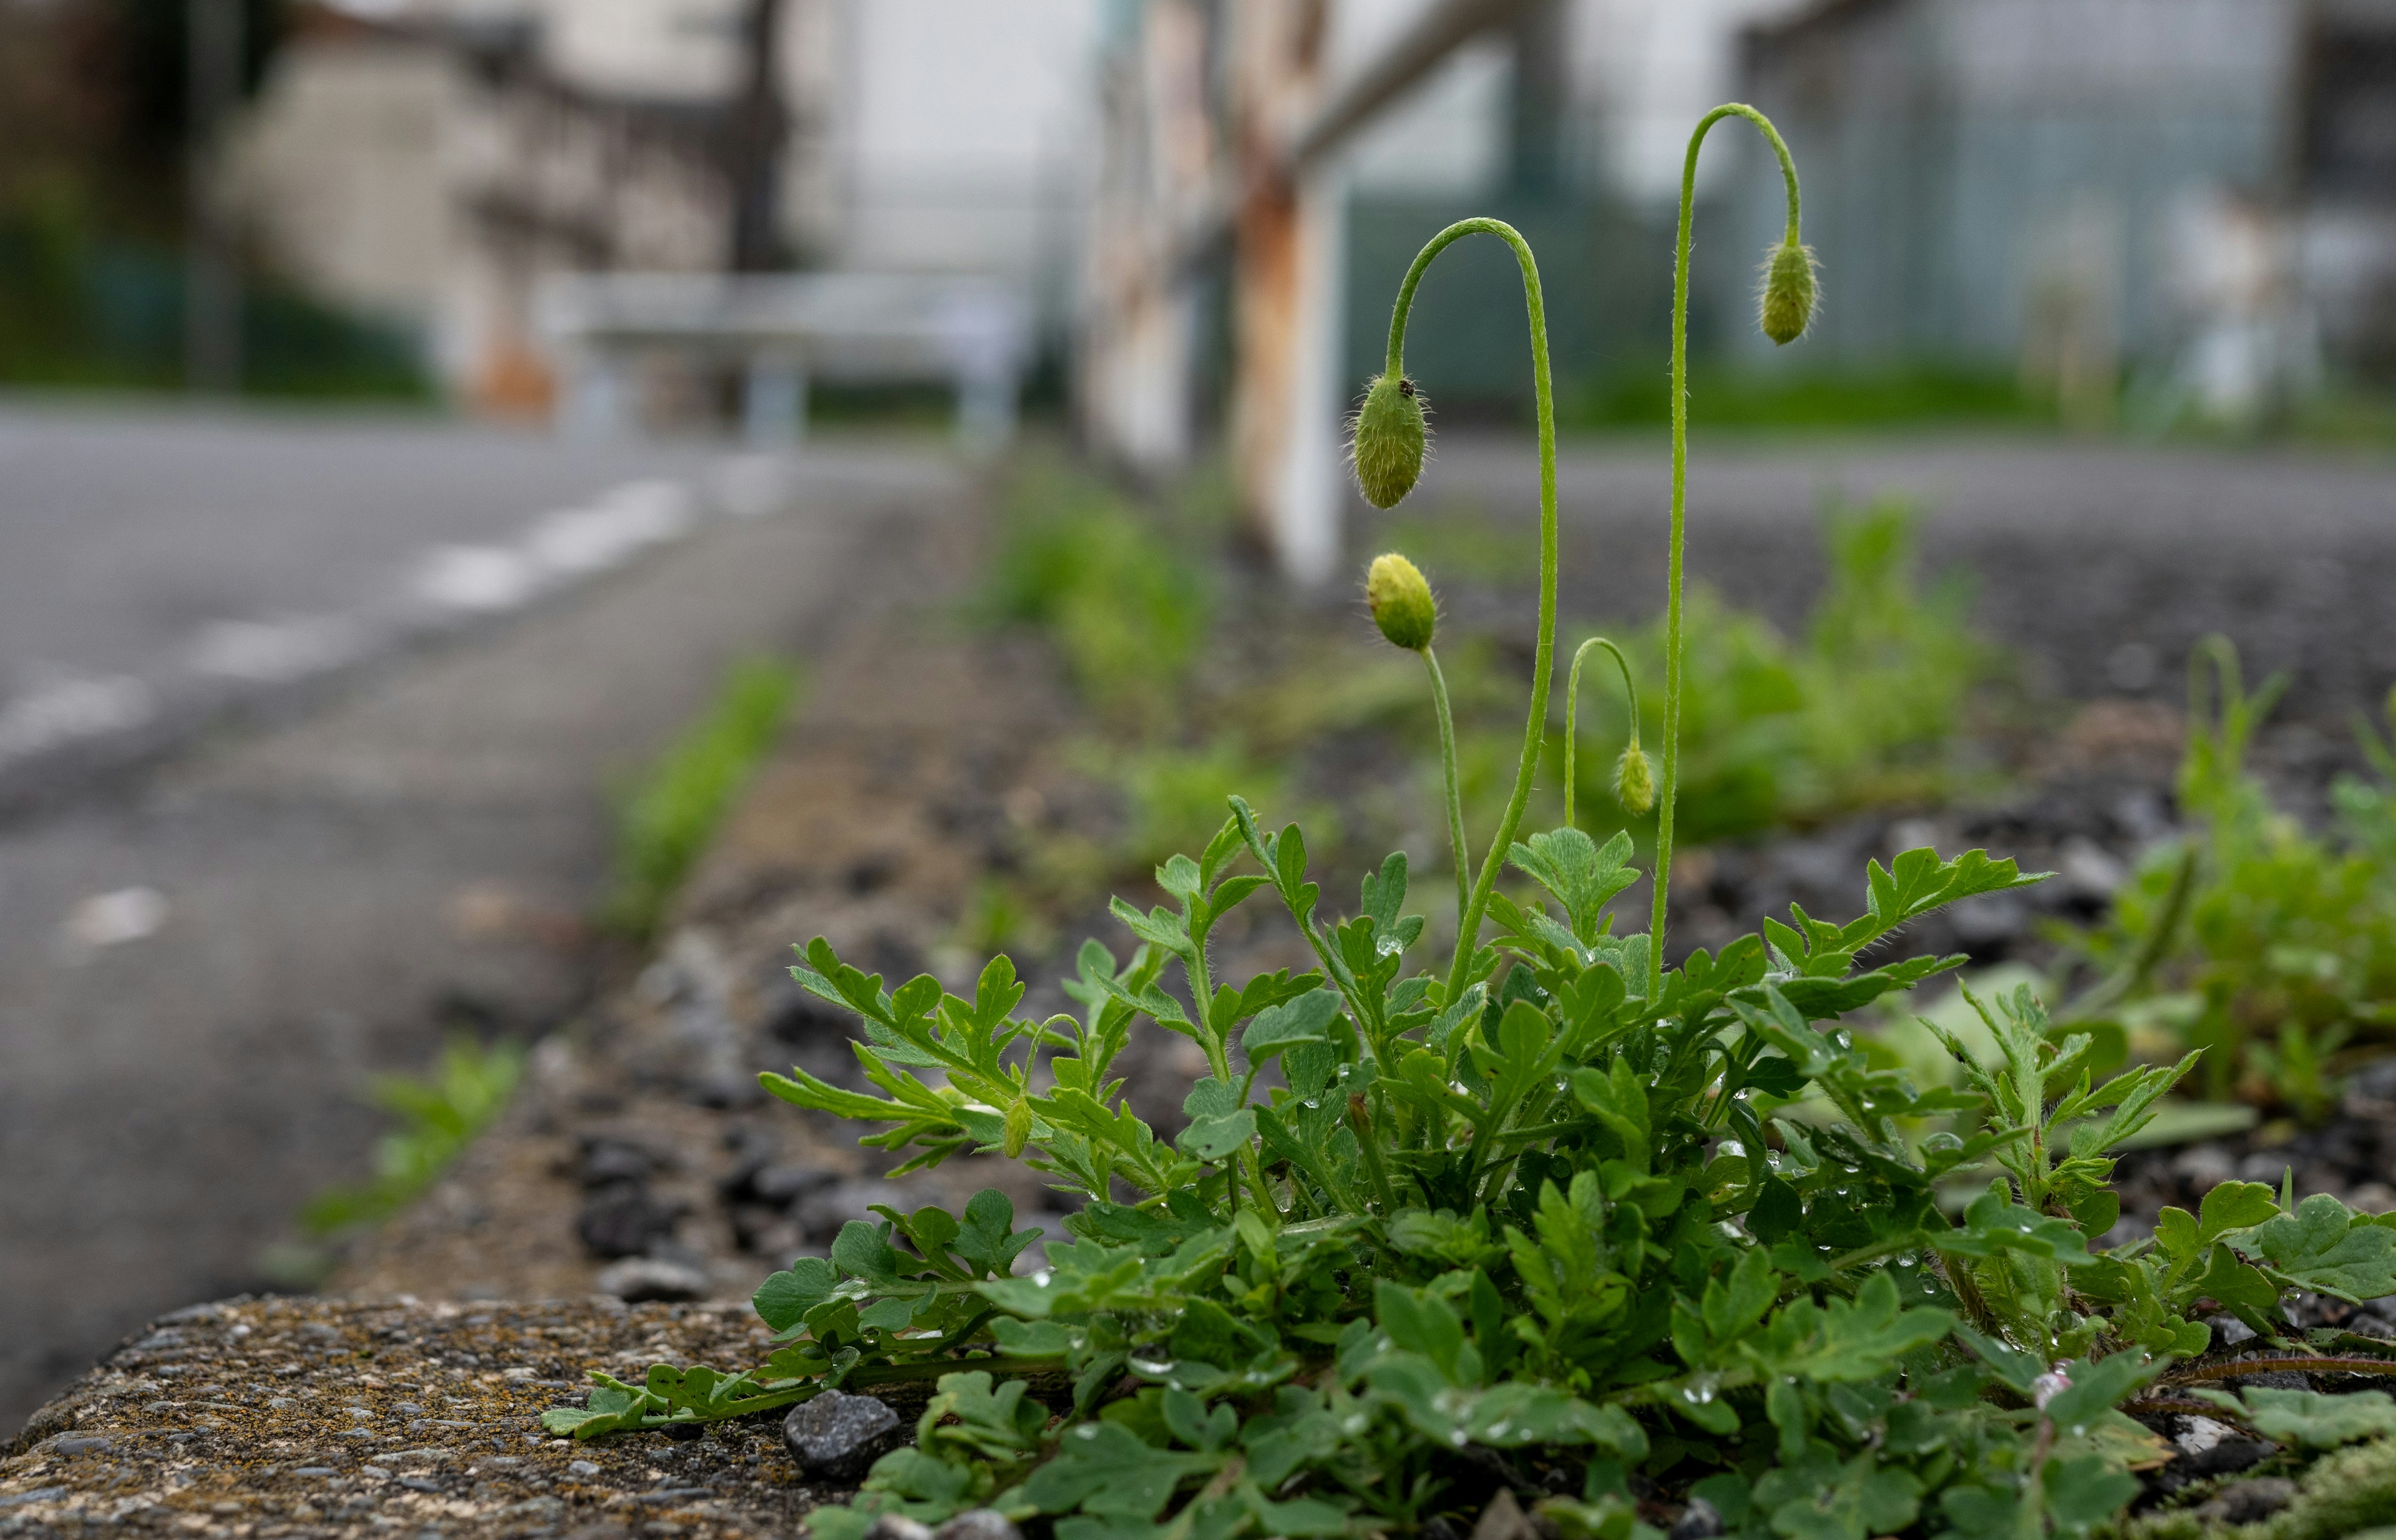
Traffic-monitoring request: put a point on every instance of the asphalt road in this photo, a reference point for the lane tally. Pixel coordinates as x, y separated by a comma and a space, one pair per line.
2100, 564
203, 958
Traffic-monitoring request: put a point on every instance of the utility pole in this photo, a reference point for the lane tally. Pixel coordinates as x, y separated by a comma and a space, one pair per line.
753, 148
211, 286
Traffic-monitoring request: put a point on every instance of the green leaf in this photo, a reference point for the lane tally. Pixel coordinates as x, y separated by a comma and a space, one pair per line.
1849, 1341
1583, 878
2096, 1387
2317, 1421
1418, 1323
2082, 1494
1304, 1019
2326, 1247
1105, 1469
785, 1297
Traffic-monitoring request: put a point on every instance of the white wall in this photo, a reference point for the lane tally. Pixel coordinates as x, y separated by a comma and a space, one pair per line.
961, 134
1644, 73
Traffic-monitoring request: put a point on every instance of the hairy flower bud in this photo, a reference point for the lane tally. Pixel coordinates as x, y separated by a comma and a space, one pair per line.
1788, 292
1634, 781
1019, 1128
1400, 599
1386, 442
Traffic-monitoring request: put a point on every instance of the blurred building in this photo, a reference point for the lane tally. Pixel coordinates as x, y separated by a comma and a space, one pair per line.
434, 161
2201, 192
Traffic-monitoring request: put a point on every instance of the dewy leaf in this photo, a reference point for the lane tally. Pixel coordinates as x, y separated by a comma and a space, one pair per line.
1995, 1223
2327, 1248
785, 1297
1304, 1019
2233, 1206
2317, 1421
1844, 1341
1105, 1469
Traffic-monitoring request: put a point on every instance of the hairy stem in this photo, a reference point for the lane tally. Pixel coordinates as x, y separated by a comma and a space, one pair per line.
1468, 924
1572, 708
1454, 791
1669, 792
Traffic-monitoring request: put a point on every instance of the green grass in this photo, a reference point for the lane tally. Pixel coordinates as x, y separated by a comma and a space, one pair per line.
436, 1116
667, 819
1922, 395
1120, 589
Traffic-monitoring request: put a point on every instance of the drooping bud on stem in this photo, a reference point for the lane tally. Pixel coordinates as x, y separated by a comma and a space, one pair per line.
1634, 780
1019, 1129
1401, 601
1388, 443
1788, 292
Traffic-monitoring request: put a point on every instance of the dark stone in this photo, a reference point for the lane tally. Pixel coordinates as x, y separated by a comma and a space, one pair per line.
978, 1524
607, 1160
2273, 1380
2229, 1455
729, 1091
780, 1184
2250, 1502
1439, 1528
625, 1220
836, 1437
1699, 1520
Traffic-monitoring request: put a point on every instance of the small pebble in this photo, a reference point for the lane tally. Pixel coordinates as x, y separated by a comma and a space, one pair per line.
836, 1437
2250, 1502
582, 1468
978, 1524
1699, 1520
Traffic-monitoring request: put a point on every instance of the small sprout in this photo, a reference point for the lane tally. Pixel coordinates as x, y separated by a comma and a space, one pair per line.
1401, 601
1634, 780
1386, 443
1788, 292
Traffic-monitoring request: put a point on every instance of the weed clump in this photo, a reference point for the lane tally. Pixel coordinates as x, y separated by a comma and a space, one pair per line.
667, 817
2272, 948
1550, 1224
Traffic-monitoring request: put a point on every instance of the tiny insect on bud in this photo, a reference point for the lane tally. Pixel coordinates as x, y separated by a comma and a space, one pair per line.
1019, 1128
1634, 781
1387, 442
1788, 292
1400, 599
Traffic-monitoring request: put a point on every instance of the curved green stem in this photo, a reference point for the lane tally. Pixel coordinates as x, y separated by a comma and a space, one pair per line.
1454, 788
1468, 924
1572, 709
1668, 792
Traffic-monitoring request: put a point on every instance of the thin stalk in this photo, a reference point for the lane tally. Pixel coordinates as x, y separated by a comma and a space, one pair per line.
1468, 925
1572, 708
1670, 790
1455, 791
